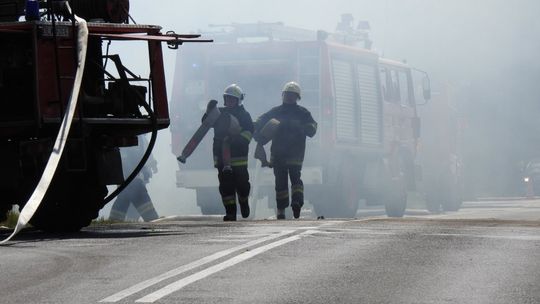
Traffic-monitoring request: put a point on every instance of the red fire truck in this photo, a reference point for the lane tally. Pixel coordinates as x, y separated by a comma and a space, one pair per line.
365, 107
38, 63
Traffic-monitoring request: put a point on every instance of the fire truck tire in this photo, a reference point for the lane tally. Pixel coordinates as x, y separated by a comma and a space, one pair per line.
209, 201
395, 198
71, 203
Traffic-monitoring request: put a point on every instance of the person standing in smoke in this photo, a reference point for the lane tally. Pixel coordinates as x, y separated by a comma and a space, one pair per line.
232, 135
135, 193
293, 123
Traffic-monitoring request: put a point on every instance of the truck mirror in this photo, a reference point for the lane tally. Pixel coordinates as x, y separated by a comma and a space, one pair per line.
426, 86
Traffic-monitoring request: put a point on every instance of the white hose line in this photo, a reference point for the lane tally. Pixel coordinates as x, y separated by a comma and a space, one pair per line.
37, 196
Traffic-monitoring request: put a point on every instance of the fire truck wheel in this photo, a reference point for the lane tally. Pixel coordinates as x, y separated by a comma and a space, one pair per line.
71, 203
209, 201
395, 198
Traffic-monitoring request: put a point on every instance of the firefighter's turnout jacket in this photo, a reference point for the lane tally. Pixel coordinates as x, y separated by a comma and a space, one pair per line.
235, 182
239, 143
289, 142
288, 149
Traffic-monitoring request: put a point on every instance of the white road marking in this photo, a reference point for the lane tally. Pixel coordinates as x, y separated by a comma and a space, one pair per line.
177, 271
357, 231
209, 241
505, 237
173, 287
243, 236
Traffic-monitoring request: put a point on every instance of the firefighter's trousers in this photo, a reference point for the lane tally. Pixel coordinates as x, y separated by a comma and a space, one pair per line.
233, 183
282, 175
136, 194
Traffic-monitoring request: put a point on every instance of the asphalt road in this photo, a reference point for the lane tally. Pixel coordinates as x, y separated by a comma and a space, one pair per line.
489, 252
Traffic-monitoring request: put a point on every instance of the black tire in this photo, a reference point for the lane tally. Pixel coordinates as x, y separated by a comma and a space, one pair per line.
71, 203
74, 198
209, 200
395, 198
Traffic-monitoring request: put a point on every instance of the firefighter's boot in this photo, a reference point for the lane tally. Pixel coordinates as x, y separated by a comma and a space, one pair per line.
230, 213
244, 208
280, 214
296, 207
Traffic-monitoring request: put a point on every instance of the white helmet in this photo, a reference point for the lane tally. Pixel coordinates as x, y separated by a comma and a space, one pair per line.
292, 87
235, 91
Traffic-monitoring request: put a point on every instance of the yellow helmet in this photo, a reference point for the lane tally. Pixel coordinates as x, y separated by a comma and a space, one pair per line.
293, 87
235, 91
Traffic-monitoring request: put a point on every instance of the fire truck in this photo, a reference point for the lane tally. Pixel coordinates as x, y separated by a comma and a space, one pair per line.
365, 107
38, 64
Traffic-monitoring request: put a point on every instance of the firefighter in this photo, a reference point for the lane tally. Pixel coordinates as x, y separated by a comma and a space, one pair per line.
288, 147
233, 130
135, 193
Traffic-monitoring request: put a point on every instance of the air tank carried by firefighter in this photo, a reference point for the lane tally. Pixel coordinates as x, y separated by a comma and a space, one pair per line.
39, 66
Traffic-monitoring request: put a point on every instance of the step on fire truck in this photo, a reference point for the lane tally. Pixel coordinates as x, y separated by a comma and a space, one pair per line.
365, 107
38, 64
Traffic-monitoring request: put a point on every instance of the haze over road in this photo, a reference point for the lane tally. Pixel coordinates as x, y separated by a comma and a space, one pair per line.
487, 253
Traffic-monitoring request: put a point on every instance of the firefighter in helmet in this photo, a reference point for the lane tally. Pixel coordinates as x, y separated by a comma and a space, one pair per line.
288, 147
233, 128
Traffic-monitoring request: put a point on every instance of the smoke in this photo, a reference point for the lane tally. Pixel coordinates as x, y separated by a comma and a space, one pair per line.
485, 50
